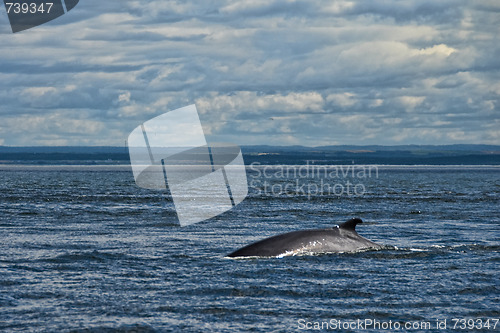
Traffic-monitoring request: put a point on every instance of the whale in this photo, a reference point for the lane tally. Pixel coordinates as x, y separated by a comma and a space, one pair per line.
338, 239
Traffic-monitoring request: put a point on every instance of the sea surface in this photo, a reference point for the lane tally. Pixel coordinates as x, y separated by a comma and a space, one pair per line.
83, 249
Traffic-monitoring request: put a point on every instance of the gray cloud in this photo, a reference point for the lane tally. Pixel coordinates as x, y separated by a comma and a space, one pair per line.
280, 72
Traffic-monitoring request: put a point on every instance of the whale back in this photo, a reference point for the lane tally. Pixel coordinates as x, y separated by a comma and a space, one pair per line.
341, 238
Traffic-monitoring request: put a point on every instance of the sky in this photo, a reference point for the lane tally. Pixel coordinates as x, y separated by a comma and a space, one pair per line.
276, 72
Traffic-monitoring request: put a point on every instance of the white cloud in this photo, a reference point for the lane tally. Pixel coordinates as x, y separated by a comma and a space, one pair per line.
248, 101
440, 49
124, 98
411, 102
344, 99
376, 103
338, 7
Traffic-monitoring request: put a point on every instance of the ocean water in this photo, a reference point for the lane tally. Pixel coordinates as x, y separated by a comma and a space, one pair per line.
85, 250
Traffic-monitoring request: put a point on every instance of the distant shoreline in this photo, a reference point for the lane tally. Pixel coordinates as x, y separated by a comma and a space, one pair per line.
274, 155
128, 168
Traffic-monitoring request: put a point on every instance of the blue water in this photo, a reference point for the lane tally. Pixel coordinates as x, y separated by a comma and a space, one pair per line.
85, 250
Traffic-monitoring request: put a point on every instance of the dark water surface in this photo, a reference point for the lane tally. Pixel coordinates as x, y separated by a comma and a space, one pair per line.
84, 250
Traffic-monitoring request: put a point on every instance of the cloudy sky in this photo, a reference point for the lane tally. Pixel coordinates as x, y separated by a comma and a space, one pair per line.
280, 72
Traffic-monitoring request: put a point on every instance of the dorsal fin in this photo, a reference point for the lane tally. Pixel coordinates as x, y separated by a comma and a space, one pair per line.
350, 224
